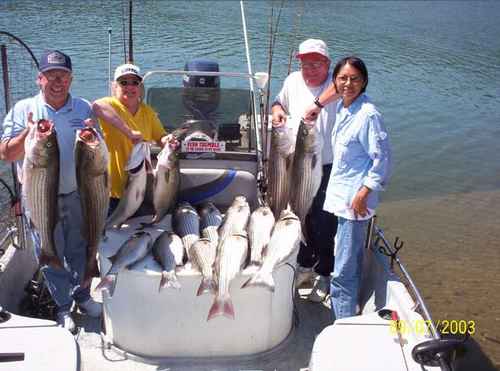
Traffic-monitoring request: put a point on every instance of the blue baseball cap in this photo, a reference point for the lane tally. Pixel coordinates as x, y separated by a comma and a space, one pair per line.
54, 60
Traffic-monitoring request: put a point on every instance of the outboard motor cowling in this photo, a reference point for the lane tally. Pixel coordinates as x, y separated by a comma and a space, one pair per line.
201, 94
201, 81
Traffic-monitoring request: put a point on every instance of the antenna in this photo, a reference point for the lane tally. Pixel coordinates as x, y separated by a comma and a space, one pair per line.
130, 39
109, 60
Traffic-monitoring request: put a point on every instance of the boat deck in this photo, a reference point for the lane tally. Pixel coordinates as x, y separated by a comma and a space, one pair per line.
292, 354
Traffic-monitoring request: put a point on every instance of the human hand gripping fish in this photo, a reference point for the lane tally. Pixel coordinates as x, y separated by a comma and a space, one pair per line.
278, 117
43, 129
171, 140
41, 185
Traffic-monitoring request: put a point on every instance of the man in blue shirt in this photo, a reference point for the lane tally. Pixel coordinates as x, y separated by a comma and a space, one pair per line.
55, 104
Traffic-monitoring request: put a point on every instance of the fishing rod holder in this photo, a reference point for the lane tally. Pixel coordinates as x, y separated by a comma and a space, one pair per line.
383, 246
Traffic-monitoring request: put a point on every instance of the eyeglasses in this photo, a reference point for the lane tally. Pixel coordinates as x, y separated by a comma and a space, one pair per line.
64, 77
311, 65
131, 82
353, 79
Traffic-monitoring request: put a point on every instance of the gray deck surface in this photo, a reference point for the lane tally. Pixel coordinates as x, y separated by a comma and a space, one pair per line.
292, 354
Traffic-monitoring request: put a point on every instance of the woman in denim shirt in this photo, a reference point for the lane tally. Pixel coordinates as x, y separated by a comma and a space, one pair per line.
360, 169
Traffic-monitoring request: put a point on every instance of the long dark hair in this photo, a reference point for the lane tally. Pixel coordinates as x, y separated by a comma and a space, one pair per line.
357, 63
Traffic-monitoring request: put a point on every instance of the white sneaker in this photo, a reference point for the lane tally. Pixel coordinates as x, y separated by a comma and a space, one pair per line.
321, 289
64, 320
91, 308
303, 275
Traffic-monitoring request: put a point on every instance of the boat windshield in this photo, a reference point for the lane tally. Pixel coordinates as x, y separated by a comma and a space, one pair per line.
222, 115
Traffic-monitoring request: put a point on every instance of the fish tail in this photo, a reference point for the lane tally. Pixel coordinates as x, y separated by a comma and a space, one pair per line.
169, 279
107, 283
260, 279
222, 306
206, 285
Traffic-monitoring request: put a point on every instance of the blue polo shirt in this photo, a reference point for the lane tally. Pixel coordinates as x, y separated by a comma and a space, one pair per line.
67, 120
361, 156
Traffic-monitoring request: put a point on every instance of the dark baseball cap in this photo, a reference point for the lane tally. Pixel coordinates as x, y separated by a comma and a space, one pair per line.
54, 60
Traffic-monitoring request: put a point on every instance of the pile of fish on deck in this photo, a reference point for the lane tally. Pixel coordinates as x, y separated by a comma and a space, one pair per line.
219, 247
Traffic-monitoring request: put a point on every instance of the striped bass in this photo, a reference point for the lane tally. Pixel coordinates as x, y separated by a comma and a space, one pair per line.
203, 255
166, 252
166, 182
307, 169
135, 189
284, 241
210, 221
259, 233
235, 219
130, 252
279, 168
41, 186
231, 256
91, 158
186, 223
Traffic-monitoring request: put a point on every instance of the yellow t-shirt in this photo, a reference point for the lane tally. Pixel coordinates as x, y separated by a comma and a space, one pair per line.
145, 120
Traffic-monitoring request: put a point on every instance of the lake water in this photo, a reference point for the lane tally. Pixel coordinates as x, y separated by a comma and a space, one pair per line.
434, 74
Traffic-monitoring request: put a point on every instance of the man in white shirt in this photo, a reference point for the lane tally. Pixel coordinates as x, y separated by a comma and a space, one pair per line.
299, 90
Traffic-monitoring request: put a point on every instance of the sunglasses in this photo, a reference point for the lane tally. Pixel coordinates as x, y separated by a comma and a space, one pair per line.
131, 82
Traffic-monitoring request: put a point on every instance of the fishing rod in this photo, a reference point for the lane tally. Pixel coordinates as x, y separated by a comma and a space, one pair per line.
109, 61
273, 31
254, 99
124, 38
264, 111
130, 33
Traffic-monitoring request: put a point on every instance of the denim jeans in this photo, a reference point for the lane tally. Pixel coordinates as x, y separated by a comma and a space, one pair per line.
321, 227
346, 278
64, 284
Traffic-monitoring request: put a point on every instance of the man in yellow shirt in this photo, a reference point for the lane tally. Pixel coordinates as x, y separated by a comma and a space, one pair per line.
141, 120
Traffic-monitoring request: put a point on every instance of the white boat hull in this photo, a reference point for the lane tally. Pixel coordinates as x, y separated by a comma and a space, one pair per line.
46, 347
370, 341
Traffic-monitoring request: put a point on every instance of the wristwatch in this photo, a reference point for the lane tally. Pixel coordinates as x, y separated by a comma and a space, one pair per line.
316, 102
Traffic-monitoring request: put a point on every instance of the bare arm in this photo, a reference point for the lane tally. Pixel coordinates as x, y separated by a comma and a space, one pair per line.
13, 148
105, 112
327, 96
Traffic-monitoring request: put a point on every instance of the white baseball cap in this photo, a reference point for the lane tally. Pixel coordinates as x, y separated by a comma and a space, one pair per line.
127, 69
313, 46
